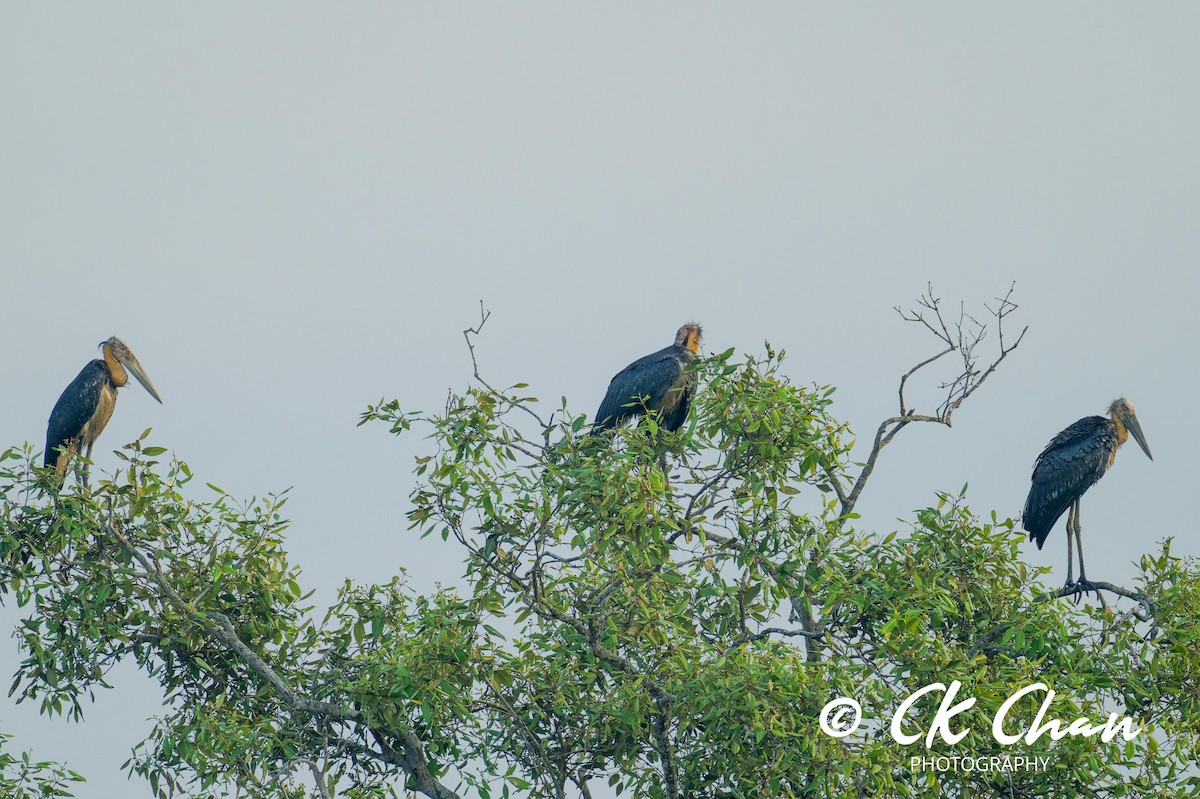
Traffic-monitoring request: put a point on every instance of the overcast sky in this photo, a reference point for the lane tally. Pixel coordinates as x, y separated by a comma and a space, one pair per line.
289, 211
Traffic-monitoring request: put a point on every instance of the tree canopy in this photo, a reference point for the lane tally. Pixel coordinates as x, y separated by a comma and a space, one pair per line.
617, 628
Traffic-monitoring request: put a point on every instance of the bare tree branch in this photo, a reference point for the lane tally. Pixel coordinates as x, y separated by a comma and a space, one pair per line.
1145, 611
967, 335
484, 315
768, 632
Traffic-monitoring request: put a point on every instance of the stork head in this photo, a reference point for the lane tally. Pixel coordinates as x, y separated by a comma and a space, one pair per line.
689, 337
1122, 413
118, 351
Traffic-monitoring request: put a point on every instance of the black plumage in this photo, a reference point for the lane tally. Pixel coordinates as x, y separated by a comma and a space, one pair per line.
658, 382
1069, 465
74, 408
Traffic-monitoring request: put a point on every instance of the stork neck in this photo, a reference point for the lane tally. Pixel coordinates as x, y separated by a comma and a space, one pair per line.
1121, 430
117, 372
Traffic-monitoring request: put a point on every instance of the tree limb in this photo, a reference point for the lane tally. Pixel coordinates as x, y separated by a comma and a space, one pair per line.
218, 627
318, 775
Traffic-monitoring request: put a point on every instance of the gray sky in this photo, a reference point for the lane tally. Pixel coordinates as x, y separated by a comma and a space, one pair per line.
290, 211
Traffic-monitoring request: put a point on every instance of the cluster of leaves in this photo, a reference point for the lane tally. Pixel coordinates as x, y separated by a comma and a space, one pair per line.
668, 633
21, 777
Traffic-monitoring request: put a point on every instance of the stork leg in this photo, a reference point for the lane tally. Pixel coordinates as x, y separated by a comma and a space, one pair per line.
1070, 548
70, 461
1079, 543
87, 463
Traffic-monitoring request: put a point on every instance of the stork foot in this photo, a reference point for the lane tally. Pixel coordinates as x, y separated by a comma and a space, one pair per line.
1079, 589
1076, 589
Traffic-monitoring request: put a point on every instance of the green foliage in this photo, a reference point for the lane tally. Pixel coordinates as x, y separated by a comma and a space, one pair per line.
615, 624
21, 777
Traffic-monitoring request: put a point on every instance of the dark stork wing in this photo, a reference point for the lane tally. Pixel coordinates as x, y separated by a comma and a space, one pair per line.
74, 407
674, 418
1069, 465
640, 385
